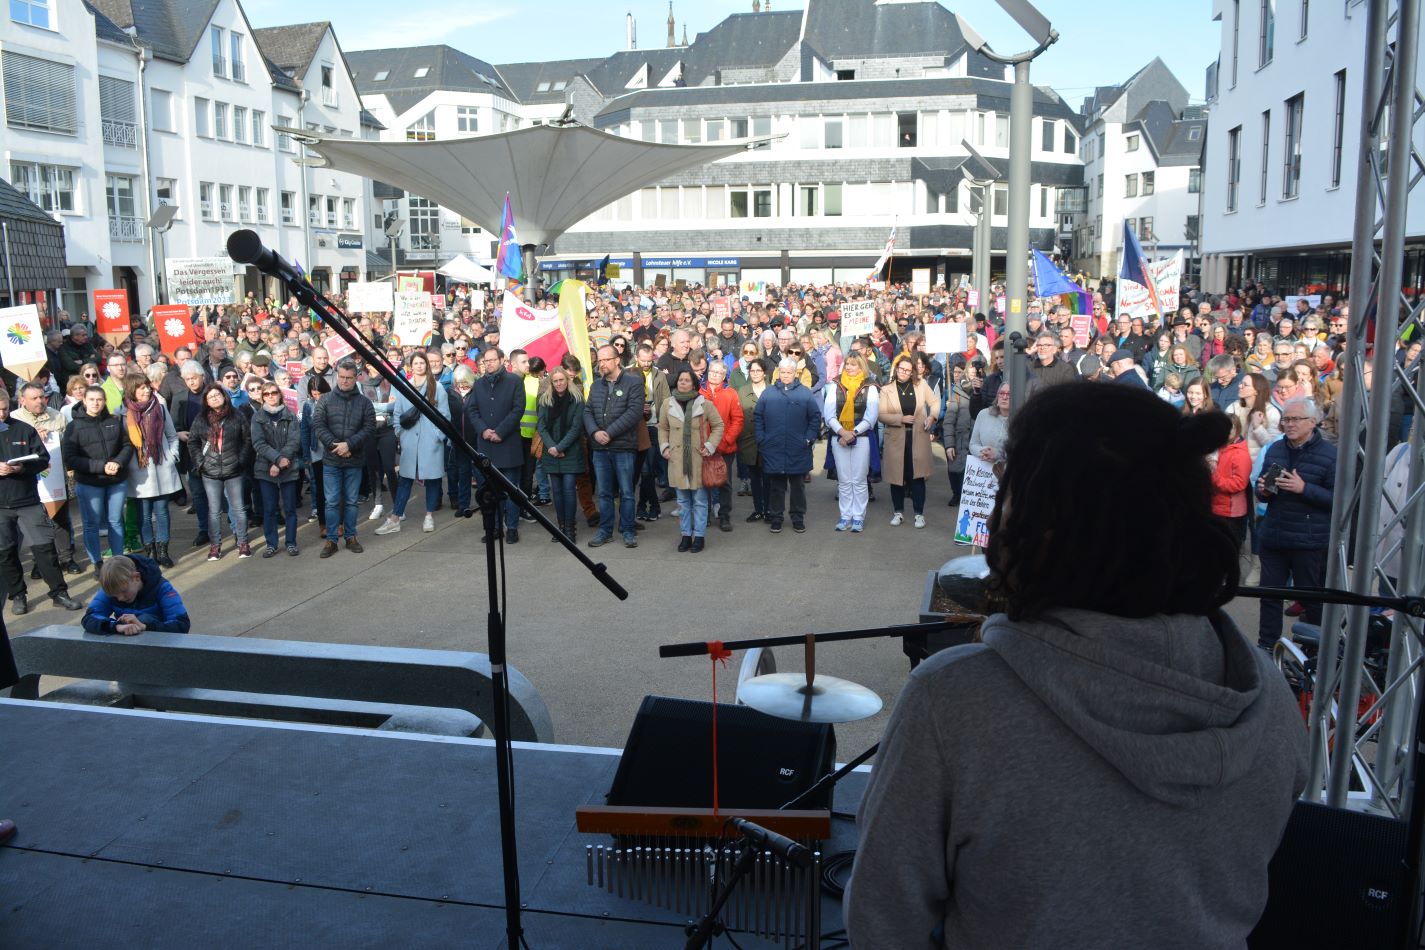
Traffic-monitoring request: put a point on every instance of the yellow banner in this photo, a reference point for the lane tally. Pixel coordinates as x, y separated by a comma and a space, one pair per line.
574, 322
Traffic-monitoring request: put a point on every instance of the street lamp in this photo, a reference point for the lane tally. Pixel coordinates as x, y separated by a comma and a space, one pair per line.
981, 176
1021, 117
161, 221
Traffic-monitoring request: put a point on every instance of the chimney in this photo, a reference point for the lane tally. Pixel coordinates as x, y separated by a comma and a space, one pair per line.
672, 37
632, 32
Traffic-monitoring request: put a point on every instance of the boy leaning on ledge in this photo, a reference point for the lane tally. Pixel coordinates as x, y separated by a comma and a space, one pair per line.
134, 597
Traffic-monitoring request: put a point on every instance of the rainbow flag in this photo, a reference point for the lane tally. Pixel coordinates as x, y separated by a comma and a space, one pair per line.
1049, 281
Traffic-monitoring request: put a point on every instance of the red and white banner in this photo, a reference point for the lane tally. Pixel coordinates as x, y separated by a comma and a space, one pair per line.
537, 332
111, 311
174, 326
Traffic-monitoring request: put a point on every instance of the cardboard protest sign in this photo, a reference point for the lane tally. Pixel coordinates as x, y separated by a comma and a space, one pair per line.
857, 317
370, 297
111, 309
721, 308
945, 338
410, 322
977, 500
337, 348
1081, 324
22, 340
174, 326
289, 398
920, 280
195, 281
972, 299
295, 370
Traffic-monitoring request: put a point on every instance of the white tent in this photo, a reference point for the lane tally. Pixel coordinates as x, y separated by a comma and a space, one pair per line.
464, 270
556, 175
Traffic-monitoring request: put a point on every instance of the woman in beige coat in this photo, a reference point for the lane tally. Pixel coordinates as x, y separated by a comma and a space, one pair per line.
908, 412
689, 430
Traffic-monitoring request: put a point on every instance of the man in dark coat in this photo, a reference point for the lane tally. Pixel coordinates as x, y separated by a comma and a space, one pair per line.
22, 513
612, 414
1297, 528
344, 422
75, 352
493, 413
788, 423
1049, 369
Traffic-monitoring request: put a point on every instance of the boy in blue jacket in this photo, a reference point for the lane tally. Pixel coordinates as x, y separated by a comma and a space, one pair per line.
134, 597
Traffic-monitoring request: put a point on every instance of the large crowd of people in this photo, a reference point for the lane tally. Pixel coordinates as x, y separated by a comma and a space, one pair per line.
700, 399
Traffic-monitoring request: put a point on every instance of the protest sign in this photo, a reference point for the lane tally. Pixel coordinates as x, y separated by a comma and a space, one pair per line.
754, 290
410, 322
857, 317
999, 304
1312, 300
945, 338
111, 308
409, 282
289, 399
370, 297
295, 370
22, 341
174, 327
337, 348
920, 280
977, 500
1081, 324
437, 302
51, 483
476, 301
195, 281
1134, 299
972, 299
722, 309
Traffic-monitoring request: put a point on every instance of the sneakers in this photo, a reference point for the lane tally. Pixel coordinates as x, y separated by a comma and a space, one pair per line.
512, 535
600, 540
215, 552
376, 513
630, 540
1295, 609
244, 549
745, 491
857, 525
354, 546
67, 602
799, 526
843, 524
391, 526
428, 525
292, 550
19, 605
775, 525
920, 521
328, 548
755, 516
897, 518
270, 551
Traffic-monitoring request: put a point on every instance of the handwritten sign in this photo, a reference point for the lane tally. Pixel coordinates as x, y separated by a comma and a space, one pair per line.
370, 297
945, 337
977, 500
410, 323
857, 317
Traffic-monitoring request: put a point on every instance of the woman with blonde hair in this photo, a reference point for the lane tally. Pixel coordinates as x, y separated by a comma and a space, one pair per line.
850, 410
560, 412
908, 410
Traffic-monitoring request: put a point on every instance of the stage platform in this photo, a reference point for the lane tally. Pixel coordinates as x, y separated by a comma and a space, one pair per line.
140, 829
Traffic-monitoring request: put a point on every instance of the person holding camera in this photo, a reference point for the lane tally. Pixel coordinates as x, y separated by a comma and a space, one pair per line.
1297, 482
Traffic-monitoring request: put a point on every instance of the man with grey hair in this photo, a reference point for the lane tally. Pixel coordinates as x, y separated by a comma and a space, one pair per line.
1222, 369
1297, 481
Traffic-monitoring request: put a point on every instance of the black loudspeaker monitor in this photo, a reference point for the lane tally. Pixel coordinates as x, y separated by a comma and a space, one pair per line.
1337, 880
763, 761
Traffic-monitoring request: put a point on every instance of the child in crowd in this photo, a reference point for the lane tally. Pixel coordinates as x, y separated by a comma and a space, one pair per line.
134, 597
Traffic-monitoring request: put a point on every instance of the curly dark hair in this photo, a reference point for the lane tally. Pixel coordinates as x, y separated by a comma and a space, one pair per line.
1105, 504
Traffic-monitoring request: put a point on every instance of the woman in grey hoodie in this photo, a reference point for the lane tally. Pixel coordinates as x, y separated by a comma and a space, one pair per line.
1113, 766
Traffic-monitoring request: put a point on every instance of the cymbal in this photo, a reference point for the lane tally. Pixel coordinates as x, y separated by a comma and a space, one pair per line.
828, 699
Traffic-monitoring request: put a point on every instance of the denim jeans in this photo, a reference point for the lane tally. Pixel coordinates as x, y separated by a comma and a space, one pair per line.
613, 469
153, 520
279, 499
217, 490
693, 511
566, 504
404, 487
725, 493
199, 498
342, 487
459, 471
917, 496
101, 507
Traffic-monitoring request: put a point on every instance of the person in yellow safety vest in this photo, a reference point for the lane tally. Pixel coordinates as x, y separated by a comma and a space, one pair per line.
529, 369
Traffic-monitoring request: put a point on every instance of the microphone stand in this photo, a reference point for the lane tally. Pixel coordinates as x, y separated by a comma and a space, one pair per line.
245, 247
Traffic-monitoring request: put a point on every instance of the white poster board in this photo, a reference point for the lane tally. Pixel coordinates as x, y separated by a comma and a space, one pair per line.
22, 340
920, 280
1312, 300
972, 299
977, 500
200, 280
476, 300
370, 297
754, 290
945, 338
857, 317
410, 322
51, 481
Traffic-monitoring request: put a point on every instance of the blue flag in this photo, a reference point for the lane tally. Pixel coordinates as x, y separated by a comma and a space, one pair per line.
1135, 266
603, 275
1049, 281
510, 262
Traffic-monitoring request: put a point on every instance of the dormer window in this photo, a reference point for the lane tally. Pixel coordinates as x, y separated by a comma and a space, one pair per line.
381, 76
542, 87
421, 73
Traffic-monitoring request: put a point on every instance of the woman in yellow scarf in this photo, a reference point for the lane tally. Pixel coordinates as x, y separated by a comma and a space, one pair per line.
852, 403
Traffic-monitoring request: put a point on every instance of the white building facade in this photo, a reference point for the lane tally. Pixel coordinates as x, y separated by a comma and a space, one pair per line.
1283, 149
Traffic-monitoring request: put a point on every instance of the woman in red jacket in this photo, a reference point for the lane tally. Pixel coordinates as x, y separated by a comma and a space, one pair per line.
729, 406
1231, 474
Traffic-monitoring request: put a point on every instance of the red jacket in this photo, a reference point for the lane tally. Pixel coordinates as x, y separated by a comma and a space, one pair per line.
1230, 479
729, 406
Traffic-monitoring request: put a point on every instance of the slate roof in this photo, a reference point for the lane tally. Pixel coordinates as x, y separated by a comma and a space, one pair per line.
523, 79
291, 47
447, 68
36, 243
741, 40
1181, 146
853, 28
105, 28
171, 28
1155, 121
612, 74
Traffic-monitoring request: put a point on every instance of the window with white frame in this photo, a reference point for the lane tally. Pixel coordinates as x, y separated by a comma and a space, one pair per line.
424, 224
288, 201
1001, 131
1130, 185
328, 85
809, 201
205, 200
332, 220
1305, 17
239, 60
832, 132
220, 52
1234, 166
421, 73
468, 227
165, 191
1046, 135
201, 109
692, 131
244, 202
262, 205
348, 212
467, 119
1338, 129
240, 127
381, 75
284, 141
1000, 200
160, 110
1291, 157
49, 186
1266, 156
33, 13
227, 210
119, 200
1071, 141
118, 112
220, 120
423, 129
39, 94
314, 210
1236, 38
259, 128
831, 199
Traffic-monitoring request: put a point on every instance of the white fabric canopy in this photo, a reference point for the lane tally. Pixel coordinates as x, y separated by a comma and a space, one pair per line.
466, 271
556, 175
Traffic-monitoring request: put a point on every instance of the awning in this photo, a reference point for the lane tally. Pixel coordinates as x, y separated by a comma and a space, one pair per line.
466, 271
556, 175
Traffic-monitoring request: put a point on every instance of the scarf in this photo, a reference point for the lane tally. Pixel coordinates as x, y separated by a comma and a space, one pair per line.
852, 384
558, 406
145, 425
686, 401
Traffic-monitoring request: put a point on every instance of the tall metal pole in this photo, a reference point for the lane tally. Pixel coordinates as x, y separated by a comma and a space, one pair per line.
1016, 265
527, 251
1351, 401
983, 232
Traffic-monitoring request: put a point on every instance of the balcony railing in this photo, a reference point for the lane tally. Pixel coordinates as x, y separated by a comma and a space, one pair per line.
120, 134
126, 229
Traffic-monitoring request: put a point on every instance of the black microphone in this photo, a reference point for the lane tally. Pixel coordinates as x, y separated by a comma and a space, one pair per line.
777, 844
245, 247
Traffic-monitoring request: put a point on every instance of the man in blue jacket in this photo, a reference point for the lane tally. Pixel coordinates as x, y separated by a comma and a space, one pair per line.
493, 413
788, 423
612, 414
1297, 528
134, 597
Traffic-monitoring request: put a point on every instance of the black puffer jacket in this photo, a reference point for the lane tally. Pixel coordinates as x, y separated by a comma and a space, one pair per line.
616, 408
92, 441
225, 457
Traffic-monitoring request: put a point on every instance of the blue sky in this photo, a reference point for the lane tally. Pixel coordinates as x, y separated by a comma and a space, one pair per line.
1102, 42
